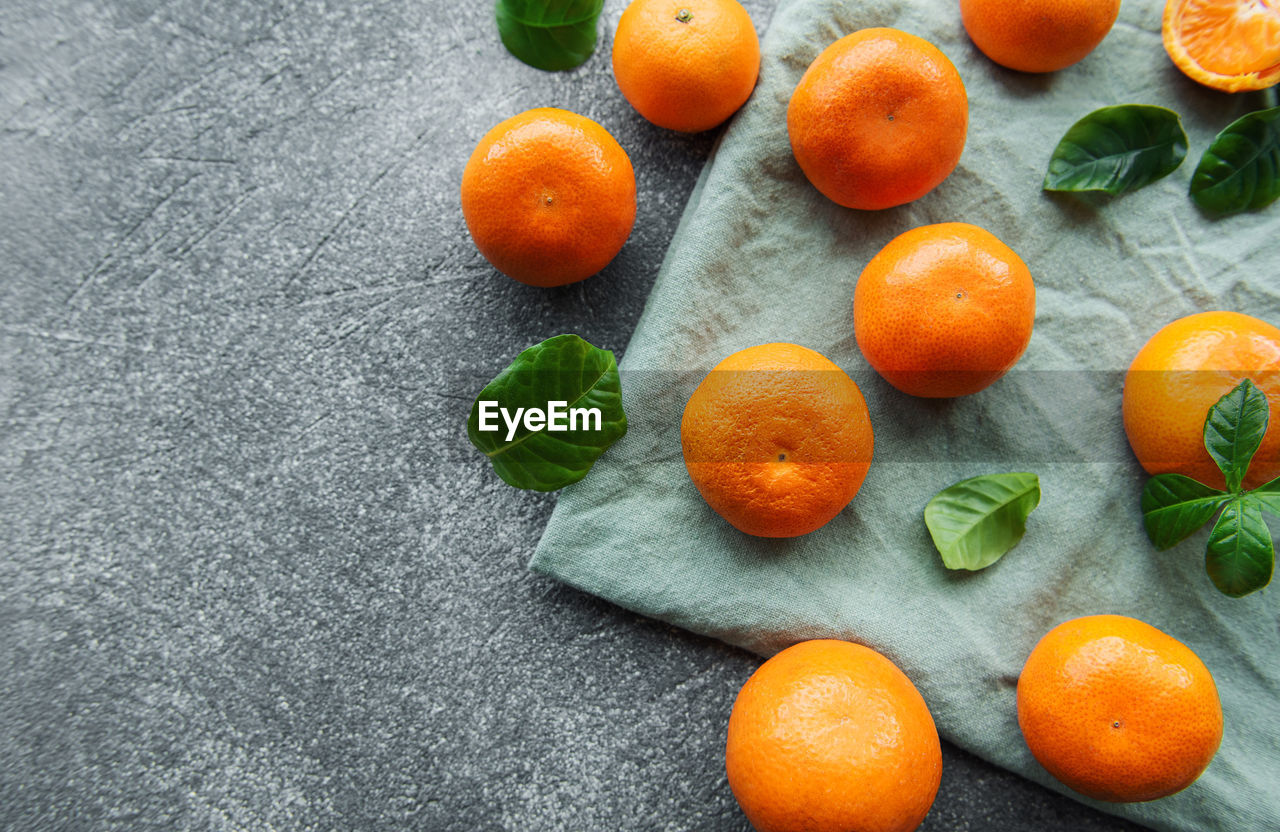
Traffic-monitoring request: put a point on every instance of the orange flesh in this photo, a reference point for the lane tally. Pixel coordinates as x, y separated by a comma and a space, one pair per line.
1232, 45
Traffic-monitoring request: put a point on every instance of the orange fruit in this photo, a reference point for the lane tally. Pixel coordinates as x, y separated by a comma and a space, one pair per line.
686, 64
830, 736
1180, 373
777, 439
1117, 710
1038, 35
549, 197
944, 310
1230, 45
878, 119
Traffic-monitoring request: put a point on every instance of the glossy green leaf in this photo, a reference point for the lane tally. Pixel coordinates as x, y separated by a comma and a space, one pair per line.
1233, 430
1174, 507
974, 522
564, 369
1240, 171
1240, 556
1267, 496
1117, 149
549, 34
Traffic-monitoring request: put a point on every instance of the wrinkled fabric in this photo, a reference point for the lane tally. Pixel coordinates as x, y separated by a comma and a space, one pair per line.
761, 256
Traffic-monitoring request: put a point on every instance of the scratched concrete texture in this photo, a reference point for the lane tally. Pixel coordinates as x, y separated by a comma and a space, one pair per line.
253, 577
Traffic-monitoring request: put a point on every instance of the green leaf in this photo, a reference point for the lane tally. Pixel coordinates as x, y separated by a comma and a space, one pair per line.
1117, 149
1233, 430
1174, 506
564, 369
1240, 556
1240, 171
549, 34
1267, 496
974, 522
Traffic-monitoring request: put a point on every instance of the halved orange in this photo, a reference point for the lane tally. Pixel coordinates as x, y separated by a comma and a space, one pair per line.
1230, 45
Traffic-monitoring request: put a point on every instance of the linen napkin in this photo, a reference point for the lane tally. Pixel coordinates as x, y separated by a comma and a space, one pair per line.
761, 256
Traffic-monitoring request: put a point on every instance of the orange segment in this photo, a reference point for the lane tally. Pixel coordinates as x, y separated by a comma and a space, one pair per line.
1230, 45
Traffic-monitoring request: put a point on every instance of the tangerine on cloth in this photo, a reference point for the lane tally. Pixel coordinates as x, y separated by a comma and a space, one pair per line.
761, 256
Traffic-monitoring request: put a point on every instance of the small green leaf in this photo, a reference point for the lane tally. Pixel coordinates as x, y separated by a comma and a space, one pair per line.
1267, 496
564, 370
1240, 556
1240, 171
974, 522
1117, 149
1174, 506
1233, 430
549, 34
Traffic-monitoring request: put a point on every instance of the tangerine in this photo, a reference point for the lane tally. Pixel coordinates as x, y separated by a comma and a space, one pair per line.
878, 119
777, 439
830, 736
944, 310
1117, 710
549, 197
1038, 35
686, 65
1180, 373
1230, 45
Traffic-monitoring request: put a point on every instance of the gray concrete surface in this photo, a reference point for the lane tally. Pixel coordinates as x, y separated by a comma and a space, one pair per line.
253, 577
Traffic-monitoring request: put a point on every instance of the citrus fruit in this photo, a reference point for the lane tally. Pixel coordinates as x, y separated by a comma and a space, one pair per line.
1117, 710
686, 64
777, 439
944, 310
1038, 35
549, 197
1230, 45
830, 736
878, 119
1180, 373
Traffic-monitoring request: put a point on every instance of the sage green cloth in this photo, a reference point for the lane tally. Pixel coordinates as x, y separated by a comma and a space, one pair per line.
761, 256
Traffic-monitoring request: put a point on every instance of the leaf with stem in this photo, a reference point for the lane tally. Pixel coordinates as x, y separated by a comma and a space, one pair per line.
1234, 428
1240, 171
564, 371
1174, 506
1117, 149
1240, 556
1267, 496
974, 522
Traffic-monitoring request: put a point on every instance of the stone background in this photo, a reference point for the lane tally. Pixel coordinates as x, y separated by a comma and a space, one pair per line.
253, 576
